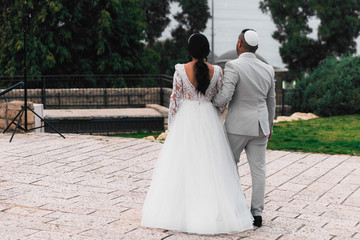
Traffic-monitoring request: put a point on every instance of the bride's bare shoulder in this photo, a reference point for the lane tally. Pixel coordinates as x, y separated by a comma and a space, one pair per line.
211, 69
210, 65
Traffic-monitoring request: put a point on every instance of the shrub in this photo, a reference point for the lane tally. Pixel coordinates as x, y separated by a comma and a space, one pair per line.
333, 88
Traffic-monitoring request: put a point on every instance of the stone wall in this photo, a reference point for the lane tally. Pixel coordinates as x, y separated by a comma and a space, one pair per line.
97, 97
8, 112
166, 95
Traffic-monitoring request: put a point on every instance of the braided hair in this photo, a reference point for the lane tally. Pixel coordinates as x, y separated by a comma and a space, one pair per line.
199, 48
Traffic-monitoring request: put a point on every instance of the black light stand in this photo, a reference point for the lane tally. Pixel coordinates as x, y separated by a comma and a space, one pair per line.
26, 22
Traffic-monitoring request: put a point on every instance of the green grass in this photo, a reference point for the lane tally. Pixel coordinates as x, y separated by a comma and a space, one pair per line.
332, 135
137, 135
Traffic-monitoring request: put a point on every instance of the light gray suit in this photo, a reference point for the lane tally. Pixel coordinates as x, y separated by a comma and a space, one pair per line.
249, 87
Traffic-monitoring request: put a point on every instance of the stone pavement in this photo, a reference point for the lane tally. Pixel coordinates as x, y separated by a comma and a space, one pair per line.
92, 187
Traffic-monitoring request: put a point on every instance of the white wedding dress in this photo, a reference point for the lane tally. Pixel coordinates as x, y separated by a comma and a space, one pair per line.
195, 186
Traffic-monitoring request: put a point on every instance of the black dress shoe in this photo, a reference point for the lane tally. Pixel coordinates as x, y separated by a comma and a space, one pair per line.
257, 221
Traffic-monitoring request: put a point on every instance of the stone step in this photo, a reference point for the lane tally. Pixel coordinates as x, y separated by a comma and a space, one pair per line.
110, 121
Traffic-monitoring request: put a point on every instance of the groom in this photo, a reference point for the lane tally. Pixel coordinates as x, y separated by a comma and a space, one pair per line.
249, 87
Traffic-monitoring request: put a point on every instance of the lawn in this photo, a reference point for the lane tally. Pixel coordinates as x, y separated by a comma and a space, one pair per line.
332, 135
138, 135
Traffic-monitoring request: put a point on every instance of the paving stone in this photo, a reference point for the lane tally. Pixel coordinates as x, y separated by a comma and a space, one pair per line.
103, 234
281, 195
296, 208
339, 193
342, 238
113, 212
313, 232
4, 207
13, 232
292, 237
356, 236
332, 161
336, 174
283, 162
289, 186
316, 189
50, 235
353, 199
27, 211
286, 225
143, 233
68, 208
315, 208
82, 221
340, 229
260, 235
182, 236
351, 179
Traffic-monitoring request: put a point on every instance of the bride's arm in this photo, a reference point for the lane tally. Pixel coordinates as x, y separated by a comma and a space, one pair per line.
221, 108
175, 98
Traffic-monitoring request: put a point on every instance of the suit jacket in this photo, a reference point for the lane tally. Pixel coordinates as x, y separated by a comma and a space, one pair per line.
249, 87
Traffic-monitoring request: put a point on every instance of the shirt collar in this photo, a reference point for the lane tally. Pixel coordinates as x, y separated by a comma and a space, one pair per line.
247, 55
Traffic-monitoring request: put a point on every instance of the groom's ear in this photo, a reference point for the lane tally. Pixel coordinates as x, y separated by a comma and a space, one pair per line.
239, 43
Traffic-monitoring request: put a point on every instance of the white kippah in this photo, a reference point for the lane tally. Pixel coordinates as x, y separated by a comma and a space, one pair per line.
252, 38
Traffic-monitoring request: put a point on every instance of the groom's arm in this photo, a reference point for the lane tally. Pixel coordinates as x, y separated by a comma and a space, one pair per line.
271, 103
227, 89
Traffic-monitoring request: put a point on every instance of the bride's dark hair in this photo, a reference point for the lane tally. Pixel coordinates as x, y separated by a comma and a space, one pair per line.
199, 48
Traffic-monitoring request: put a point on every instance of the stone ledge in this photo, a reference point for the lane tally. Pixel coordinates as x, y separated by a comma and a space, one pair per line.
296, 116
88, 114
161, 109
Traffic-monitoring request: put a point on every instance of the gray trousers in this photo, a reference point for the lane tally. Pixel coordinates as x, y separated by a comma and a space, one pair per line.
255, 148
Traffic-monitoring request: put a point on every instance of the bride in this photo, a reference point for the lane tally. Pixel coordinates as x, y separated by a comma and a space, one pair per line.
195, 186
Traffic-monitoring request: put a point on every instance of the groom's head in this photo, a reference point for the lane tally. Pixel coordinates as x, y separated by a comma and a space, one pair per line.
248, 41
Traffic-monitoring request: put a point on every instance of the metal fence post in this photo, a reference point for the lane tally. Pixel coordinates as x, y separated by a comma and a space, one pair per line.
161, 92
43, 92
59, 99
105, 98
300, 97
282, 102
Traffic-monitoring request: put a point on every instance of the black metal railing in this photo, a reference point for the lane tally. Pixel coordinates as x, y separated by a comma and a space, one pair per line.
17, 85
92, 91
106, 91
288, 101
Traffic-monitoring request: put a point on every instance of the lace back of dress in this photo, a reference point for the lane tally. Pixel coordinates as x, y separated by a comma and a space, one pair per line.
191, 93
184, 90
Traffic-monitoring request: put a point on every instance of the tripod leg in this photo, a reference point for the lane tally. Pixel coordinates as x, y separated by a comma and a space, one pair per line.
17, 125
46, 122
12, 122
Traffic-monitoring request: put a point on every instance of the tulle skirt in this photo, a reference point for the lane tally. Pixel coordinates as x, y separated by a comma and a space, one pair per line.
195, 186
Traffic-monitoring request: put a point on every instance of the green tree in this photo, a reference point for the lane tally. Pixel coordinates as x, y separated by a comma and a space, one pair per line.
169, 56
339, 26
74, 37
192, 18
157, 19
333, 87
